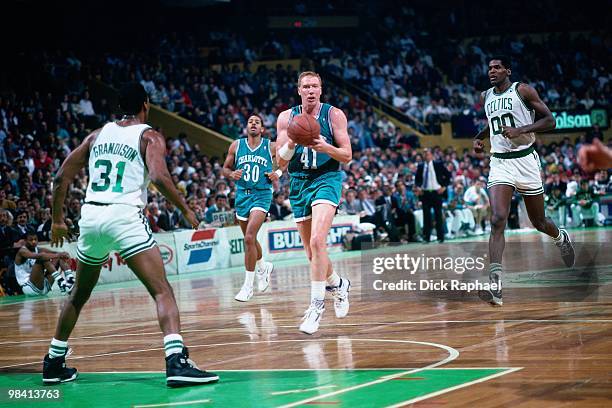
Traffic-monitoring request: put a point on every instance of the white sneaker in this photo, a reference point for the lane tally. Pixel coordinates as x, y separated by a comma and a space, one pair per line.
341, 297
263, 276
312, 317
246, 292
479, 231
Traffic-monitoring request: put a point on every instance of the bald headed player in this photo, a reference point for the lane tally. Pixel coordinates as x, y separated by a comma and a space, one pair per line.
512, 109
315, 192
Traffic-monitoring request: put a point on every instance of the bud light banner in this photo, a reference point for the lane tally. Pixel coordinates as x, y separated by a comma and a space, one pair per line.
200, 250
283, 240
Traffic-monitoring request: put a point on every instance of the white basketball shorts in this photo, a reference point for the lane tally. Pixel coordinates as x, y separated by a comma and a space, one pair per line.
522, 173
113, 227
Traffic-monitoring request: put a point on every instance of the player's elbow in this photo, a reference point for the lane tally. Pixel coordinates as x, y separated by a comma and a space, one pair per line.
346, 157
157, 179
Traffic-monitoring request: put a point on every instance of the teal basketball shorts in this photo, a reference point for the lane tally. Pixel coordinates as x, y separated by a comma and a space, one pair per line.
305, 192
252, 200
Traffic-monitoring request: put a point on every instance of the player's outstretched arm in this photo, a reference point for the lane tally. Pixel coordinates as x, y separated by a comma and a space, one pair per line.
155, 153
75, 161
546, 120
343, 152
25, 253
285, 148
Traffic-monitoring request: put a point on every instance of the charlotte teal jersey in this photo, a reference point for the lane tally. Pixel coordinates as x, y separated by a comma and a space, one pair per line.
306, 161
254, 163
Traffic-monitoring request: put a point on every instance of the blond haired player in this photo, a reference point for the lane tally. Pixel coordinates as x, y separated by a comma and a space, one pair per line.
315, 192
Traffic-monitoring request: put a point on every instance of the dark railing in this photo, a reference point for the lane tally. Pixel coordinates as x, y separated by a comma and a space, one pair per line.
367, 97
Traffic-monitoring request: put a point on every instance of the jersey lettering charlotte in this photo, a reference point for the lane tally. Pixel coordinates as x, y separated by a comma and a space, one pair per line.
508, 109
117, 172
254, 163
306, 161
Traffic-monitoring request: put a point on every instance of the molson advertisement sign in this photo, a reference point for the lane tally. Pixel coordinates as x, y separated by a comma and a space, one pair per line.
568, 121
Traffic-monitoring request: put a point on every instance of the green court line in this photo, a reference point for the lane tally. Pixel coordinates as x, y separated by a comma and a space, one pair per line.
299, 260
257, 388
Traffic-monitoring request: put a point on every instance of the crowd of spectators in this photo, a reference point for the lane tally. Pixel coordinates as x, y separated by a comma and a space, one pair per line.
39, 129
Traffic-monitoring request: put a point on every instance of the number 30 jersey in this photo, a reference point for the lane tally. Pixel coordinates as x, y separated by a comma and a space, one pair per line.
254, 163
508, 109
117, 171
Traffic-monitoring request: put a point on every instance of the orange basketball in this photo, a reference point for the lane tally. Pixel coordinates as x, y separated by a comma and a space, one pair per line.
303, 129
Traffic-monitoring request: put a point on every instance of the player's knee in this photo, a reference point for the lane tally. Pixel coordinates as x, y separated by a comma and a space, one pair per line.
78, 299
250, 239
498, 222
318, 243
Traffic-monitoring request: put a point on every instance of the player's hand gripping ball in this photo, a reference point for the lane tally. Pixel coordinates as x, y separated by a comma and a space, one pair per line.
303, 129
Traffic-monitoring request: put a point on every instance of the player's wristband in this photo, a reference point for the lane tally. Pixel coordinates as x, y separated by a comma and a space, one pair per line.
285, 152
279, 172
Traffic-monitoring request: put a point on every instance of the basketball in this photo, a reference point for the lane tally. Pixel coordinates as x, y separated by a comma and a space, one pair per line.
303, 129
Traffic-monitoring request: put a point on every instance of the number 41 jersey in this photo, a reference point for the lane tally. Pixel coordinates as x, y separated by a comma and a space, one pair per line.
508, 109
117, 172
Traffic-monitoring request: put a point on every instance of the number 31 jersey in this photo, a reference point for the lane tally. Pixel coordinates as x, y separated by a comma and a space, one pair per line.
508, 109
254, 163
117, 172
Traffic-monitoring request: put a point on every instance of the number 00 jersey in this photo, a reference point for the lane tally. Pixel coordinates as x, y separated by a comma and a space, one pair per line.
117, 172
508, 109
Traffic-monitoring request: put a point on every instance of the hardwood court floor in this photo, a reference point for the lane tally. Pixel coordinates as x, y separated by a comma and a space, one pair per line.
442, 353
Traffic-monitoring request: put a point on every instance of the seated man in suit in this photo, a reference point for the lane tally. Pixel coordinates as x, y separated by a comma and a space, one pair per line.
350, 205
279, 209
366, 206
386, 213
432, 178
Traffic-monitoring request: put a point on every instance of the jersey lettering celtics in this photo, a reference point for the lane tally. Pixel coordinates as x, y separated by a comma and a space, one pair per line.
508, 109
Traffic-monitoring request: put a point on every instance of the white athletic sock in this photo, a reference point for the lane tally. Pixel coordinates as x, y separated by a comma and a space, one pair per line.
559, 238
56, 275
173, 343
248, 278
317, 290
58, 348
68, 272
333, 280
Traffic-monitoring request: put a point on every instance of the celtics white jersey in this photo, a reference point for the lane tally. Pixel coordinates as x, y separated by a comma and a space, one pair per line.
117, 172
508, 109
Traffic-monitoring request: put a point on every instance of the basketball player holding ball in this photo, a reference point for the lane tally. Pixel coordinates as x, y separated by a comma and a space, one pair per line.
315, 187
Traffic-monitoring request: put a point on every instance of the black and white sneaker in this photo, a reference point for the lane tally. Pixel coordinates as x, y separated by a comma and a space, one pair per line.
566, 248
494, 297
182, 372
340, 294
312, 317
56, 372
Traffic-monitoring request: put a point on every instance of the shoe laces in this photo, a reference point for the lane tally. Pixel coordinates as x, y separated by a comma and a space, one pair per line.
315, 307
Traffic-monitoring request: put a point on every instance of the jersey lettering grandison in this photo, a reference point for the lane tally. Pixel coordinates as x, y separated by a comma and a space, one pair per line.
117, 172
508, 109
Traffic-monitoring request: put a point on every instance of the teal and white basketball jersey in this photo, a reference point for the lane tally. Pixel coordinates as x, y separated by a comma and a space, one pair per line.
254, 163
306, 161
117, 171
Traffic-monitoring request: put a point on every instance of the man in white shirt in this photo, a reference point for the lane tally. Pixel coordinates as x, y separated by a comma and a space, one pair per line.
477, 201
